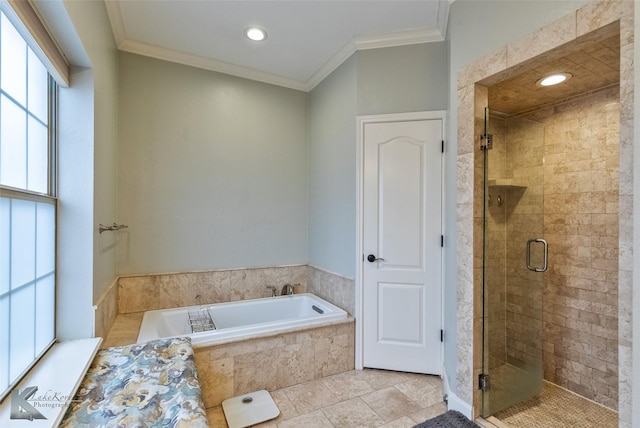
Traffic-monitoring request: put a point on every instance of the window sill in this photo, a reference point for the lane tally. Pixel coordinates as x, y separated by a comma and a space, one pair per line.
57, 377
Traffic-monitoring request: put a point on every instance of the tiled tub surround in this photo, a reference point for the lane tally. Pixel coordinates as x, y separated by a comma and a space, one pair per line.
473, 82
332, 287
171, 290
265, 361
134, 294
106, 310
275, 362
141, 293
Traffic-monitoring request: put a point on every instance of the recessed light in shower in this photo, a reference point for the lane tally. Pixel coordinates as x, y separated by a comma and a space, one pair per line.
256, 34
553, 79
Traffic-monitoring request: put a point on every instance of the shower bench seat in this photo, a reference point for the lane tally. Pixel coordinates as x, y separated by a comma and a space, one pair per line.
148, 384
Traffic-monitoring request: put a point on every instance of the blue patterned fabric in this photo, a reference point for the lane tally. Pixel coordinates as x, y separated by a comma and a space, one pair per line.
153, 384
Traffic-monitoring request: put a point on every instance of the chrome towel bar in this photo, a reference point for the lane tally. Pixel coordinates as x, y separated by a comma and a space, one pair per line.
111, 228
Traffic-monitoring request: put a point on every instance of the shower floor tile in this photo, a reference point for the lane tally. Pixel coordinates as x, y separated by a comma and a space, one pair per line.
556, 407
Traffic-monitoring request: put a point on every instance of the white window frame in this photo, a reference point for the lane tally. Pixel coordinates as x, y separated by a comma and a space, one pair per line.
50, 197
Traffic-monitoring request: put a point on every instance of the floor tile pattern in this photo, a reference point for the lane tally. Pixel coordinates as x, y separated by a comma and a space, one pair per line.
556, 407
357, 398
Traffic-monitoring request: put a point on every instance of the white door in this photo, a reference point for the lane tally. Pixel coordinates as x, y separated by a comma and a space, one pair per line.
402, 232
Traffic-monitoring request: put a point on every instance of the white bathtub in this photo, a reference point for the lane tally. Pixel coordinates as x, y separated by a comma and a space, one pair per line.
241, 319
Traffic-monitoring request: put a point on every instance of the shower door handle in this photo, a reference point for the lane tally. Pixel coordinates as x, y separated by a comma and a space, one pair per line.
546, 255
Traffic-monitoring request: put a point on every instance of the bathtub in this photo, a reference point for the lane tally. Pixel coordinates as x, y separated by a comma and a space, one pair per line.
240, 319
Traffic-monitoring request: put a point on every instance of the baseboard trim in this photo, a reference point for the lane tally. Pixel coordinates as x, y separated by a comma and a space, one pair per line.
453, 401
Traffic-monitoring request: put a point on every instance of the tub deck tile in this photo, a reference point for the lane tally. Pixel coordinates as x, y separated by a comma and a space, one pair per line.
124, 331
253, 372
292, 366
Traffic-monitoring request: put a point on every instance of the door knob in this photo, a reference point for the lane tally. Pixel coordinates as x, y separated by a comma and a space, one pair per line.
373, 258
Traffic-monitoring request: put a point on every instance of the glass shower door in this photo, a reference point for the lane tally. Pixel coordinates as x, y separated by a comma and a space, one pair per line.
514, 261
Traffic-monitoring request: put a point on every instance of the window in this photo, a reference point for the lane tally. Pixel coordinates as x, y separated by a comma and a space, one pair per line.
27, 207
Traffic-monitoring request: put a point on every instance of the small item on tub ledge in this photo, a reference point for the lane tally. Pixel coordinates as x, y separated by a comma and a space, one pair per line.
200, 320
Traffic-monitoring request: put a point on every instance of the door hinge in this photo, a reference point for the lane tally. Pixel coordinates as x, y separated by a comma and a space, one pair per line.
442, 146
441, 335
442, 241
486, 142
483, 382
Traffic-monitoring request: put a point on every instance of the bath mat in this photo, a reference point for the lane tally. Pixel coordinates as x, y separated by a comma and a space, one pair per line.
450, 419
249, 409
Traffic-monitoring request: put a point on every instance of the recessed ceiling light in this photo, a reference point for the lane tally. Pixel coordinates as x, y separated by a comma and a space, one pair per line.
256, 34
553, 79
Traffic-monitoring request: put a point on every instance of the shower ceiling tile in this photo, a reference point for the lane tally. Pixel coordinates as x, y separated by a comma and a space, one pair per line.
592, 60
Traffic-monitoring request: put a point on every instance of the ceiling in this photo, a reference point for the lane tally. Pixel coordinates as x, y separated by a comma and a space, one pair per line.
592, 60
307, 39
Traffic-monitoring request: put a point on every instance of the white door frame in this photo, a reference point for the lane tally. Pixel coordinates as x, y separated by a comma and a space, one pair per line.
361, 122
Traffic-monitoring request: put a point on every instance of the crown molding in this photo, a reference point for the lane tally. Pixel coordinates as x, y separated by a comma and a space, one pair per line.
117, 24
443, 16
330, 65
210, 64
357, 43
398, 39
403, 38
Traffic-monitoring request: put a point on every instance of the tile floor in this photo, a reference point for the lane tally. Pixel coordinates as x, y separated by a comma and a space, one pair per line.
557, 407
358, 398
367, 398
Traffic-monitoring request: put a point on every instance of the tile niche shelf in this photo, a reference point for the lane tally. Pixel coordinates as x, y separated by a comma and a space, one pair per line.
510, 183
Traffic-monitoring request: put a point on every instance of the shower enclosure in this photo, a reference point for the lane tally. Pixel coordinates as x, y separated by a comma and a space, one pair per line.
514, 261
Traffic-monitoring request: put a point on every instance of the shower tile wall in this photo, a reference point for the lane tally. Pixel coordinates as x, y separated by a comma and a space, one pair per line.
524, 201
581, 169
495, 263
472, 84
581, 226
515, 214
